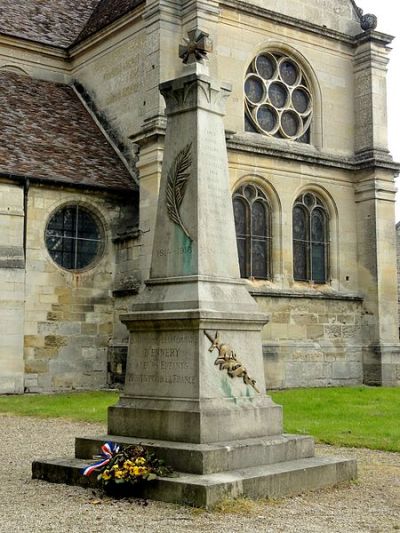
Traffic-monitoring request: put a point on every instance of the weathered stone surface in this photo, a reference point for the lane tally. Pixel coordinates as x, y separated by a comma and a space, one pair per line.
211, 458
268, 481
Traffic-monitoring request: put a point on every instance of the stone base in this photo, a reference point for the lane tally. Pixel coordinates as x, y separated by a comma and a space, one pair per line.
207, 473
194, 422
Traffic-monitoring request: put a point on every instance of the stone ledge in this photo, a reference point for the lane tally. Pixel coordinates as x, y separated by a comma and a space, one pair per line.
211, 458
276, 293
266, 481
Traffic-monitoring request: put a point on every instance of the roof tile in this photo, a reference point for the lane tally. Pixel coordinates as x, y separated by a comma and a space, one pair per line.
46, 132
55, 22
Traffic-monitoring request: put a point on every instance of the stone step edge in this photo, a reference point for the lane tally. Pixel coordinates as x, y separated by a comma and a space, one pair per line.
267, 481
210, 458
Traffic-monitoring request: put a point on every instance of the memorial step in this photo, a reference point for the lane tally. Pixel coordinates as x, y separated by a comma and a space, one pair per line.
267, 481
211, 458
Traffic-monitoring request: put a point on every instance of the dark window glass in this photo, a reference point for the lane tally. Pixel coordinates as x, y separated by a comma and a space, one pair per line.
259, 219
73, 237
300, 100
310, 239
300, 260
252, 221
290, 123
277, 94
266, 117
265, 66
254, 89
289, 72
299, 223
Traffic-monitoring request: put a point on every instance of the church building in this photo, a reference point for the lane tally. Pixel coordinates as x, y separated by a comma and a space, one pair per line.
312, 181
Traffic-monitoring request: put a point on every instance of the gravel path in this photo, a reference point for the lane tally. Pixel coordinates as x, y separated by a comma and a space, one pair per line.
372, 504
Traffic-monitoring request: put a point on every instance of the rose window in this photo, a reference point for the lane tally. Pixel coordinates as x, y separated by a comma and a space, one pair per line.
277, 98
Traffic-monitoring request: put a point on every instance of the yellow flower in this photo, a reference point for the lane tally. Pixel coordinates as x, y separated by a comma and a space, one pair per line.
140, 461
119, 474
106, 475
128, 463
135, 470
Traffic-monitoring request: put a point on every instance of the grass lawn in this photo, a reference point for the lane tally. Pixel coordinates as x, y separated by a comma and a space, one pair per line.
82, 406
357, 416
366, 417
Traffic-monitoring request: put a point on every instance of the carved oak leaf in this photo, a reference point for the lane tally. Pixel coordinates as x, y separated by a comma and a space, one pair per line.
177, 180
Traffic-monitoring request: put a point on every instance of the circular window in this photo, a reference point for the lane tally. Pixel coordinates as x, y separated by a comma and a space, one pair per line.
278, 100
74, 237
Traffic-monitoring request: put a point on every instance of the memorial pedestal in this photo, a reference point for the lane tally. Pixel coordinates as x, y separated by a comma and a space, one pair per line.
195, 387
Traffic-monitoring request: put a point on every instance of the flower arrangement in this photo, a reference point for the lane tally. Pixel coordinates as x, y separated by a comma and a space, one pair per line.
126, 467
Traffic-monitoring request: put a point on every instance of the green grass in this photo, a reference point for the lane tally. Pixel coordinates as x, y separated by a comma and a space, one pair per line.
366, 417
357, 416
82, 406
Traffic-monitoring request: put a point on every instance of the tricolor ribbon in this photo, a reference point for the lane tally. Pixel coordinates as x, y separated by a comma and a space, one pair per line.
108, 450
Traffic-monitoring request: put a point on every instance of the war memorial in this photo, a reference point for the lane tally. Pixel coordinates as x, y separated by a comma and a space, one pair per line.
195, 386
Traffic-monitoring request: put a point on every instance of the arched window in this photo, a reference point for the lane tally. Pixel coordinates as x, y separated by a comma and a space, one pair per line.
278, 100
253, 232
74, 237
310, 239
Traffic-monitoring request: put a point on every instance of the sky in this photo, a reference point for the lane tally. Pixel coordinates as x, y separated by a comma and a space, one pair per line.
388, 13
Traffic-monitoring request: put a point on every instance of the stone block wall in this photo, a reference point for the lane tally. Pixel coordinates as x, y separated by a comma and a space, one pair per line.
12, 294
312, 342
69, 316
398, 264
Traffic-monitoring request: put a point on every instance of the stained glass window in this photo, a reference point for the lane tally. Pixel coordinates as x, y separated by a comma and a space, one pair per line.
278, 100
253, 232
310, 239
74, 237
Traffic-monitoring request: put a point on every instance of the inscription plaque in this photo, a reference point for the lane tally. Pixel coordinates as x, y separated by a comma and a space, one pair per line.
158, 363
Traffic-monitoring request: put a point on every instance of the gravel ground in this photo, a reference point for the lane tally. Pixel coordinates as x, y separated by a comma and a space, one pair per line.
372, 504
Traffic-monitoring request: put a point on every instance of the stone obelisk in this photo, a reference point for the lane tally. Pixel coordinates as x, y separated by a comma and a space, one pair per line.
195, 389
194, 298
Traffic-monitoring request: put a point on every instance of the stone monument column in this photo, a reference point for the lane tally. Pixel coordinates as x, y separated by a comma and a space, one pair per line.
195, 370
195, 390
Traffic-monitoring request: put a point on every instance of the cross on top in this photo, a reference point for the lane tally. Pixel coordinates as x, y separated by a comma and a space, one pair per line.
197, 46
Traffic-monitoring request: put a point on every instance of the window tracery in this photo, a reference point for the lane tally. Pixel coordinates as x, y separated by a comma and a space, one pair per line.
253, 231
278, 100
310, 239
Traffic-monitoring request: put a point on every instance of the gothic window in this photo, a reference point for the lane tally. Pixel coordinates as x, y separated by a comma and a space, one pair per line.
253, 232
278, 101
74, 237
310, 239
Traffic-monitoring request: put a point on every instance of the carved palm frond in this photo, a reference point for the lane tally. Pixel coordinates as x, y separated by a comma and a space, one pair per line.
177, 180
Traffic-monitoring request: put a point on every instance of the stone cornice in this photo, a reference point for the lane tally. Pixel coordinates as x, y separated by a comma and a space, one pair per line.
308, 154
306, 294
380, 38
33, 46
21, 179
154, 129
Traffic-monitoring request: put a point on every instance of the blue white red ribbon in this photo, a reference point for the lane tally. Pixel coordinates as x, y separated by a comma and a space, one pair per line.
108, 450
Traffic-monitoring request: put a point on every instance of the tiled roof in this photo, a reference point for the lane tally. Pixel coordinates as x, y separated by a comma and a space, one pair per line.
56, 22
46, 133
107, 11
60, 22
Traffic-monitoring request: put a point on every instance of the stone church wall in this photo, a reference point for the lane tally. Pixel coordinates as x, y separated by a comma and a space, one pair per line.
312, 342
327, 64
69, 320
119, 79
12, 294
398, 265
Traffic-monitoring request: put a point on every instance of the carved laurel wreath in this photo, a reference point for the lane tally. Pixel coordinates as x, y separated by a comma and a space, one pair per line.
177, 180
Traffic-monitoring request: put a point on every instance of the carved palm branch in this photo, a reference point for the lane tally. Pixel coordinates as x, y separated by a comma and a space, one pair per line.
177, 180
